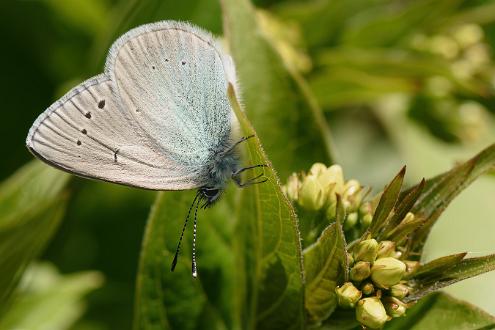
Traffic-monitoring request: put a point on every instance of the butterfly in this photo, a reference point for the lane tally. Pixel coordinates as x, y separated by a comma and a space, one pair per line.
158, 118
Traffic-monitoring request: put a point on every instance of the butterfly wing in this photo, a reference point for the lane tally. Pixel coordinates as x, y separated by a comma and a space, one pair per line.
143, 123
174, 78
87, 133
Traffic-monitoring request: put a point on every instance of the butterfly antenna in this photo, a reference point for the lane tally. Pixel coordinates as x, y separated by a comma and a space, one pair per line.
194, 268
174, 262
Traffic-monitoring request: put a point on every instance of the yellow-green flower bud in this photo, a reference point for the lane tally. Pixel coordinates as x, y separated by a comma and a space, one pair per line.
368, 288
333, 179
331, 210
352, 194
366, 220
408, 218
317, 169
365, 208
350, 259
411, 266
350, 220
360, 271
387, 272
311, 194
292, 187
399, 290
366, 250
394, 307
348, 295
351, 187
371, 313
386, 249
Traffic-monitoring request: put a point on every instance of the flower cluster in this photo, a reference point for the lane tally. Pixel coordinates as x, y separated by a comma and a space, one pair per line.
468, 56
376, 282
316, 191
378, 273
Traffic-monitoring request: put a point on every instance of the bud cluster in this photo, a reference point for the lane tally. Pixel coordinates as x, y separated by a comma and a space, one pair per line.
316, 191
376, 283
464, 49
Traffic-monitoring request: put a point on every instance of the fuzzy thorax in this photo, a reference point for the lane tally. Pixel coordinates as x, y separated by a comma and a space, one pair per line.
221, 168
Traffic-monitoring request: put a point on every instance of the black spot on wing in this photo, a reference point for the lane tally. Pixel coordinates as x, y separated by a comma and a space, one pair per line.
88, 115
101, 104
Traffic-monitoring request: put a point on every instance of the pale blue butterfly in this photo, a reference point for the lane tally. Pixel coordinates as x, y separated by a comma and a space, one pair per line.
157, 118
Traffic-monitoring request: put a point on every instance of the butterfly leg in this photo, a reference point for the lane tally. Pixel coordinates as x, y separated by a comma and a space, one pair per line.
239, 171
237, 178
244, 138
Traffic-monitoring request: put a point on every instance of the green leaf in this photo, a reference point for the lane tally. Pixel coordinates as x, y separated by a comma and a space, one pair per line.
130, 14
325, 263
442, 189
321, 21
387, 202
403, 230
464, 269
274, 97
341, 319
48, 300
441, 311
32, 204
378, 24
89, 16
175, 300
438, 265
269, 274
404, 205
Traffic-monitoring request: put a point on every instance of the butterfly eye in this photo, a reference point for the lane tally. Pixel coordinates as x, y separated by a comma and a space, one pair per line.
210, 193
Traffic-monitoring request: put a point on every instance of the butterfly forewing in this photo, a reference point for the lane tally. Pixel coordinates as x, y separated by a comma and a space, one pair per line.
173, 77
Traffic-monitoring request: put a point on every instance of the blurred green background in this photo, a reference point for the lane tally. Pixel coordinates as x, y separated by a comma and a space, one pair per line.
400, 82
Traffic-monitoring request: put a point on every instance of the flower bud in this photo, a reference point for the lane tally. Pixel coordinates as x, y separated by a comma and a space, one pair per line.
408, 218
411, 266
348, 295
351, 187
311, 194
366, 220
365, 208
333, 178
350, 220
368, 288
394, 307
331, 210
366, 250
399, 290
387, 272
292, 187
352, 194
317, 169
350, 259
386, 249
371, 313
360, 271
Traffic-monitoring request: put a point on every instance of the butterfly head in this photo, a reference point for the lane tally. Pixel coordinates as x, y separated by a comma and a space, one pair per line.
209, 195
